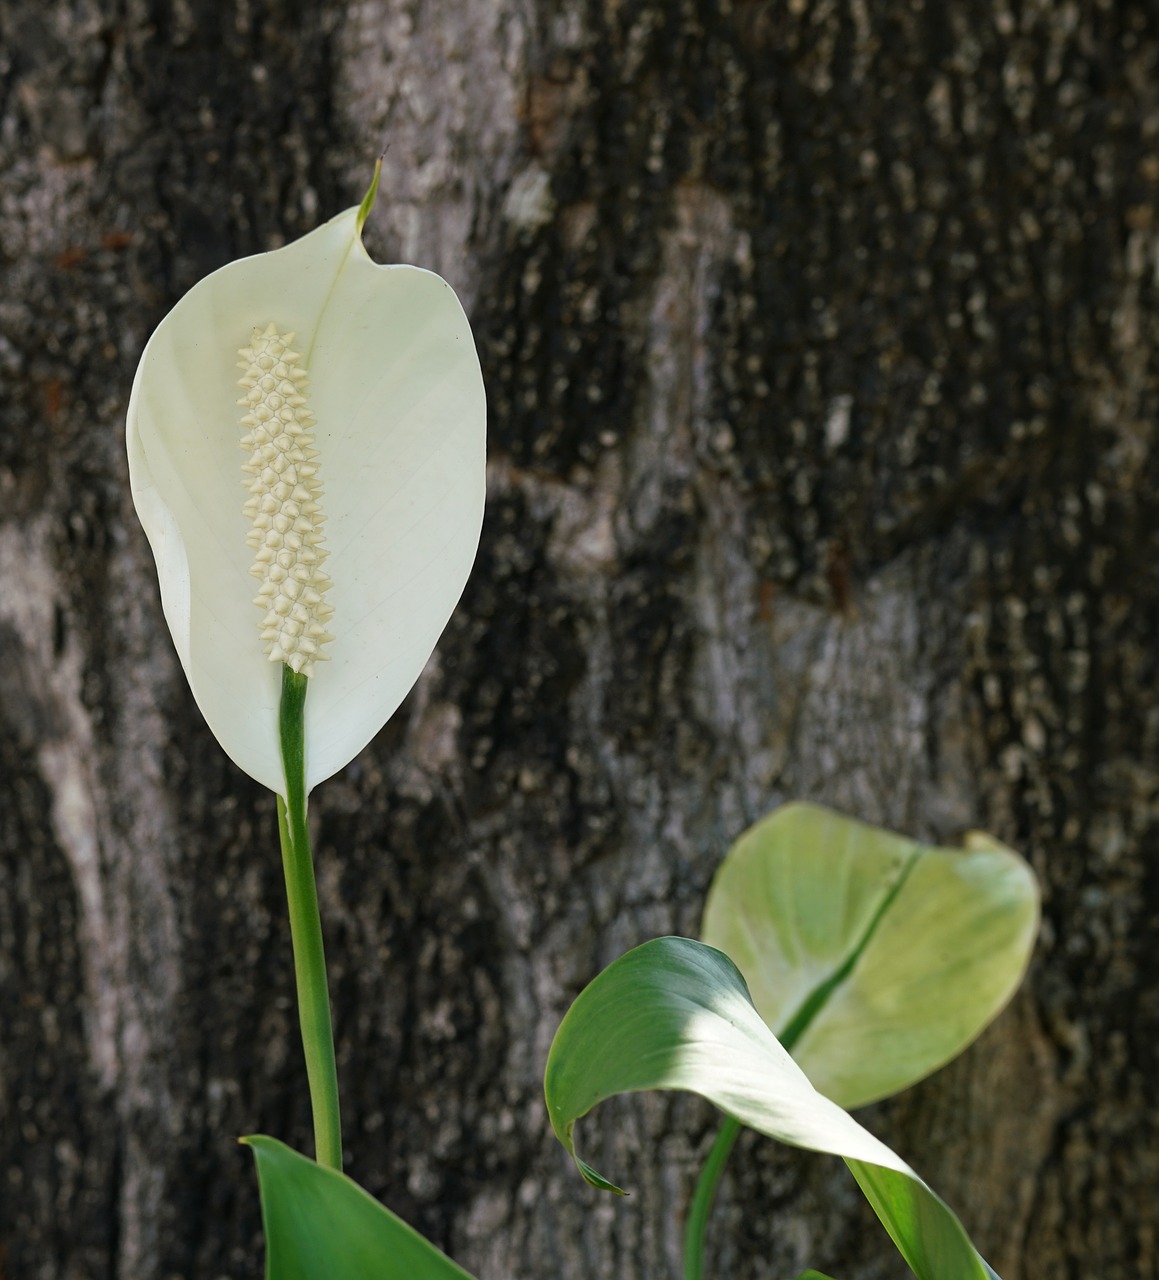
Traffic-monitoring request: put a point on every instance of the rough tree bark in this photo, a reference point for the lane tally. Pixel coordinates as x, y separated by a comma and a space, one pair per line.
820, 341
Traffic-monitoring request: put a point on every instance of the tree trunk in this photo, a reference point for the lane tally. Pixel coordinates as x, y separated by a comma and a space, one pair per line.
820, 343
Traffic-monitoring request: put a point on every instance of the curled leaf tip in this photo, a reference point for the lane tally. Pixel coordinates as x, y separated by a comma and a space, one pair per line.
597, 1180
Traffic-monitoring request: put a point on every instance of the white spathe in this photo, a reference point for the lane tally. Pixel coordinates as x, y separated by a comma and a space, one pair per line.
397, 392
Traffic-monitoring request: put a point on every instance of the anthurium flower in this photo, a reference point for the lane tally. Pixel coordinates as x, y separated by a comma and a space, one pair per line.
321, 505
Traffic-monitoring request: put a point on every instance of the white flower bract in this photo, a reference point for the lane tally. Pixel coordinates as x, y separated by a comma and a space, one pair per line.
393, 421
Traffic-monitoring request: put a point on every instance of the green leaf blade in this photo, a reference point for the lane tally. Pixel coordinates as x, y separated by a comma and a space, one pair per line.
320, 1223
675, 1014
914, 948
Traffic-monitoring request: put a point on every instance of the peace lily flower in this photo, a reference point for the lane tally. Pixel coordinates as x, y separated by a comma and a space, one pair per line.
323, 509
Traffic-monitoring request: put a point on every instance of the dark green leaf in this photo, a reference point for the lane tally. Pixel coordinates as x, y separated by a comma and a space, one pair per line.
675, 1014
320, 1225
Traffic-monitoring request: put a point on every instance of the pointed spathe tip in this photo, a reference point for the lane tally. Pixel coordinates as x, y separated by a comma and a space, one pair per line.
368, 199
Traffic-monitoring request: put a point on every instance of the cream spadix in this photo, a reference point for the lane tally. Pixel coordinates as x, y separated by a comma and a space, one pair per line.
284, 505
370, 372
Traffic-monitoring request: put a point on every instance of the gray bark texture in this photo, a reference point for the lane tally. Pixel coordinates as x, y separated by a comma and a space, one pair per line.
820, 344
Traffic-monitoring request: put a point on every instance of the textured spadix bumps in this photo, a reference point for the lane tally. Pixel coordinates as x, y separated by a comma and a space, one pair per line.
394, 403
284, 507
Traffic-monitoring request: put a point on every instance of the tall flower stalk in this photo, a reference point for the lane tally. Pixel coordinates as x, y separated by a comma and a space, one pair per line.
360, 414
306, 927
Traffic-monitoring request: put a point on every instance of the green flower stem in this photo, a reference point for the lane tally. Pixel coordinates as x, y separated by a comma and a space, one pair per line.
704, 1195
306, 927
710, 1174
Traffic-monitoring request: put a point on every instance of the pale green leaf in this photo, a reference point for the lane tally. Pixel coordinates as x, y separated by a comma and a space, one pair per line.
902, 952
675, 1014
320, 1225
